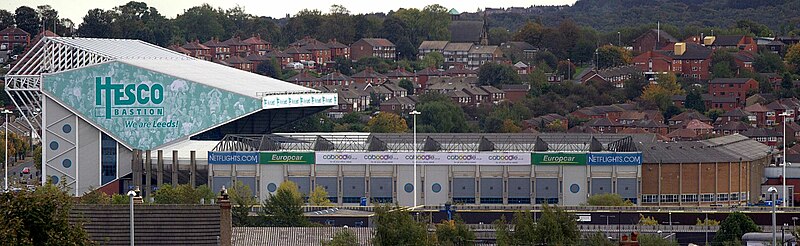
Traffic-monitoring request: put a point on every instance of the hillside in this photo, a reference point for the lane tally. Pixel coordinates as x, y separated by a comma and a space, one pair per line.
781, 16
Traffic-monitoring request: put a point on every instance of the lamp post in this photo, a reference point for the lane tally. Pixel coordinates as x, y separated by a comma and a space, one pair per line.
619, 39
569, 70
5, 178
131, 194
414, 114
772, 191
607, 216
784, 115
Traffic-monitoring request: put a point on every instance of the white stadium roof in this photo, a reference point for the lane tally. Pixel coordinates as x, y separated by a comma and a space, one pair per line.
148, 56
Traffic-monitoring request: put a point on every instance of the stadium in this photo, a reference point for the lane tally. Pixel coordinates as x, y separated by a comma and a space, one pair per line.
114, 114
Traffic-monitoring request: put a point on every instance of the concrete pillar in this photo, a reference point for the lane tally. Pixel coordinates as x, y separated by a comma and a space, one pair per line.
193, 169
148, 174
136, 168
160, 174
225, 220
174, 168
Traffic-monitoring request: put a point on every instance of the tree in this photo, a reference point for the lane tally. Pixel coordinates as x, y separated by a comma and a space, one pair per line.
769, 63
319, 197
598, 239
6, 19
396, 226
202, 22
607, 199
694, 100
315, 123
27, 19
387, 122
723, 65
454, 232
37, 157
433, 60
40, 217
499, 35
284, 208
792, 57
660, 94
787, 86
713, 114
344, 237
547, 58
182, 194
344, 65
555, 126
94, 196
612, 56
733, 228
648, 221
96, 23
408, 85
510, 127
707, 222
655, 240
556, 227
271, 68
241, 196
496, 74
440, 114
531, 32
566, 69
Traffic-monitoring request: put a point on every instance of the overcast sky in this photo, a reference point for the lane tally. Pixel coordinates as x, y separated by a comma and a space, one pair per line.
76, 9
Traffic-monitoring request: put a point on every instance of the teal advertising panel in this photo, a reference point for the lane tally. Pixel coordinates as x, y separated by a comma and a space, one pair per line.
143, 108
556, 158
287, 158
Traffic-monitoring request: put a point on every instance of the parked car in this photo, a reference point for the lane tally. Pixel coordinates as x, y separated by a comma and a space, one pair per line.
26, 170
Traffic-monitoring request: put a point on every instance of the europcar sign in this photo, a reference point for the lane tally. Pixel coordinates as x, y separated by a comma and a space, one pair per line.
556, 158
141, 108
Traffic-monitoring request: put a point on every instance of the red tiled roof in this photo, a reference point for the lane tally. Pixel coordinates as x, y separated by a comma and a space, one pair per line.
13, 30
195, 45
378, 42
696, 124
254, 40
237, 60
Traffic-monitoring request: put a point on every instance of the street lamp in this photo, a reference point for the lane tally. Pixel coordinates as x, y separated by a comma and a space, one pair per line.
5, 179
414, 114
619, 39
772, 191
785, 116
131, 194
569, 70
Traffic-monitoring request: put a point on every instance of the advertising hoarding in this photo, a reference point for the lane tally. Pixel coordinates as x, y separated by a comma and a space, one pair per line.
557, 158
430, 158
232, 157
286, 158
615, 159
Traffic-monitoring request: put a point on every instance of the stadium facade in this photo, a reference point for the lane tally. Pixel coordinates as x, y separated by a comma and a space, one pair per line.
101, 99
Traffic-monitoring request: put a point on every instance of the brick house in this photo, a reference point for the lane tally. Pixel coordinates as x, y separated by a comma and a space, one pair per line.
518, 51
686, 116
604, 125
320, 53
738, 42
299, 54
652, 39
732, 127
369, 75
764, 116
198, 50
280, 56
401, 74
240, 63
540, 123
218, 50
495, 95
460, 71
238, 47
398, 105
12, 36
257, 45
477, 95
744, 61
766, 136
334, 78
515, 93
426, 74
338, 49
373, 47
686, 59
179, 49
303, 79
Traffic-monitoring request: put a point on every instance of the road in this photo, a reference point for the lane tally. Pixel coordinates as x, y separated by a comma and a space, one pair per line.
14, 172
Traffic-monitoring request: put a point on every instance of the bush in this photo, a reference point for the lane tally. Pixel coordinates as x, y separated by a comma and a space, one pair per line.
40, 217
94, 196
183, 194
119, 199
608, 199
648, 221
